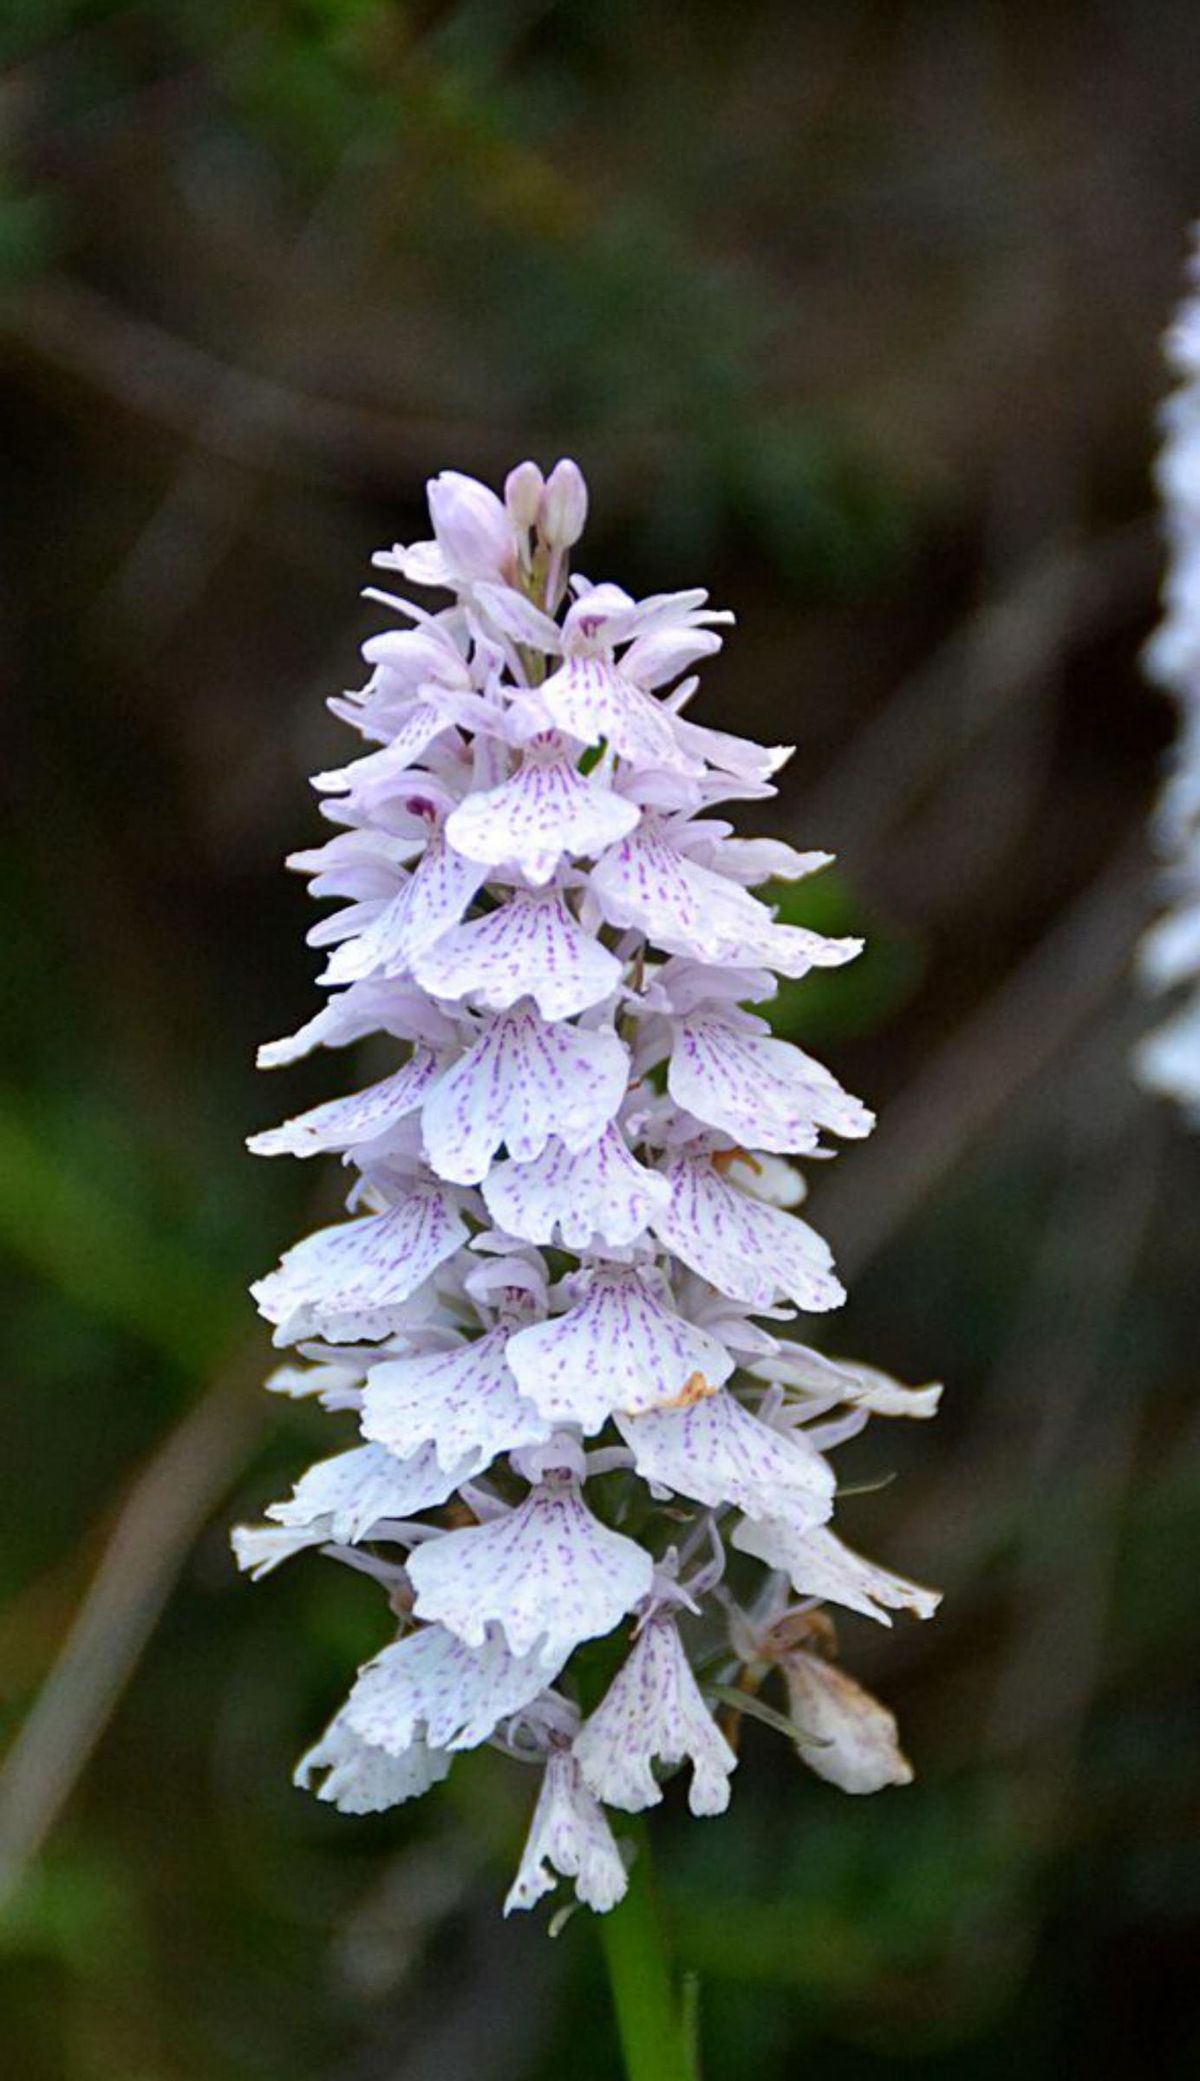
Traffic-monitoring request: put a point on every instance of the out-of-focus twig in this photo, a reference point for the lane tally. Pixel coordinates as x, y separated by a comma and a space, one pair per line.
989, 664
1083, 1436
987, 1062
119, 1266
166, 1507
202, 509
143, 369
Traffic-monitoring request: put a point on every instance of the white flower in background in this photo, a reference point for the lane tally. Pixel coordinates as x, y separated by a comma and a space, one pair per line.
1168, 1060
569, 1203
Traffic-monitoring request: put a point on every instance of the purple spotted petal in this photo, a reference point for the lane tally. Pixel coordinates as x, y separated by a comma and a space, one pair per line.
344, 1123
376, 776
531, 946
522, 1081
546, 809
569, 1836
576, 1196
648, 883
653, 1708
360, 1779
342, 1497
372, 1007
821, 1566
718, 1452
766, 1093
432, 1685
549, 1573
464, 1404
432, 899
353, 1279
621, 1348
592, 700
751, 1251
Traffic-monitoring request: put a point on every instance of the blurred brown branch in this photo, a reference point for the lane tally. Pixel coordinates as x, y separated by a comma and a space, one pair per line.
157, 1523
144, 369
995, 660
987, 1062
1081, 1435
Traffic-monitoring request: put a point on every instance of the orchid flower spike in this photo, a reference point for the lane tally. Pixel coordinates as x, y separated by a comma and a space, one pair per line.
1168, 1060
574, 1441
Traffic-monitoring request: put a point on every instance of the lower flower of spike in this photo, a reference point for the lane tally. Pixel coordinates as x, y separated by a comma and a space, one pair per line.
654, 1709
821, 1566
847, 1737
569, 1836
358, 1778
431, 1686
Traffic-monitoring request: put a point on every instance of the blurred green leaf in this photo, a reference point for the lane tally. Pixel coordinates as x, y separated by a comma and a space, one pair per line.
828, 1004
101, 1253
80, 1907
30, 230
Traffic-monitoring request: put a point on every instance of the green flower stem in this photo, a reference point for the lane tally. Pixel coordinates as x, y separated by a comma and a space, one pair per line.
657, 2037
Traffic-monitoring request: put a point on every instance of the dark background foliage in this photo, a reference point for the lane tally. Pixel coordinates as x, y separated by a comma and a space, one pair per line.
850, 309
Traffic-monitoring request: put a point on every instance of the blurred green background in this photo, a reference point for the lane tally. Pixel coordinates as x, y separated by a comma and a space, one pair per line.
850, 311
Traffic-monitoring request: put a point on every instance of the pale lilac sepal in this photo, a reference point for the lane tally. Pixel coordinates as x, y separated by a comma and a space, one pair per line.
353, 1280
821, 1566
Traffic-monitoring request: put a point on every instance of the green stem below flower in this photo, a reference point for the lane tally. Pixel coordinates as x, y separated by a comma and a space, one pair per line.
656, 2028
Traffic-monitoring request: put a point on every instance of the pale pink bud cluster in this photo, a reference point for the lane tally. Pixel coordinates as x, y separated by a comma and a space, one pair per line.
556, 1322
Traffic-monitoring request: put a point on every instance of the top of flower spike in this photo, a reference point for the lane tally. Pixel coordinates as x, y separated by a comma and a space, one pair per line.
477, 536
506, 562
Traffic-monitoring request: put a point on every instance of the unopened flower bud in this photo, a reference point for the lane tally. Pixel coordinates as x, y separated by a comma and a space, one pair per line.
523, 489
564, 506
473, 530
